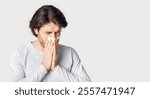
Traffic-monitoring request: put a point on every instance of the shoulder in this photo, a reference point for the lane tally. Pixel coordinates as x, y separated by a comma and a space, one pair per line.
21, 49
18, 54
64, 47
67, 50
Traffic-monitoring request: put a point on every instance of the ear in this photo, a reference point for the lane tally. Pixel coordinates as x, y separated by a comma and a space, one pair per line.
36, 31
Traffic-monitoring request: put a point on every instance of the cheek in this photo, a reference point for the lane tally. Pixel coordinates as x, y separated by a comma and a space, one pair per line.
43, 36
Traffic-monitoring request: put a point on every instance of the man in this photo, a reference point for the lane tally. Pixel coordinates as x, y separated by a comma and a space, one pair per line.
44, 59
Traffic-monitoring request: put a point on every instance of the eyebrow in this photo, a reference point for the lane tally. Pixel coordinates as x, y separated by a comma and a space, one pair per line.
51, 31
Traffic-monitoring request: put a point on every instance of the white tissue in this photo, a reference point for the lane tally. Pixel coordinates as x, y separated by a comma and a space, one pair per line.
53, 39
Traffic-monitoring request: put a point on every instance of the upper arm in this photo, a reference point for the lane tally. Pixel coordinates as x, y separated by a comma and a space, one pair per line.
77, 67
16, 66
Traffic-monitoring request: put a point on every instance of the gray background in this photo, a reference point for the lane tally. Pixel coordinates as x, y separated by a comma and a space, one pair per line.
110, 36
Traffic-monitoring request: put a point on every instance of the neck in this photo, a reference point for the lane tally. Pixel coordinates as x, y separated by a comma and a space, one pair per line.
37, 45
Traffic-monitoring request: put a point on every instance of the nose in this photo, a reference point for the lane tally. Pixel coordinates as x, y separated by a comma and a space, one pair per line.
53, 35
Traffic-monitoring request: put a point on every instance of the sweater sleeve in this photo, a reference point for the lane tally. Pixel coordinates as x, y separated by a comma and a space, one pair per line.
17, 69
77, 72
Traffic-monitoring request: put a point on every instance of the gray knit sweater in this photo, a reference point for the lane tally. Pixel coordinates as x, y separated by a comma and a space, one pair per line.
25, 64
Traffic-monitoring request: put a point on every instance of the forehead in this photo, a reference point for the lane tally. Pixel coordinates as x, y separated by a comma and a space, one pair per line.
51, 27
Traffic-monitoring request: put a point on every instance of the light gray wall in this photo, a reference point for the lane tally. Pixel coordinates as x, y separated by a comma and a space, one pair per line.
112, 37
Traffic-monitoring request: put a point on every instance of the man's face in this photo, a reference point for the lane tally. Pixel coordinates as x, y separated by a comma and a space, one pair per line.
49, 29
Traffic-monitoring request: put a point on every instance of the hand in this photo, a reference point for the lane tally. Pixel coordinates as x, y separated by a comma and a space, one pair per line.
50, 55
55, 55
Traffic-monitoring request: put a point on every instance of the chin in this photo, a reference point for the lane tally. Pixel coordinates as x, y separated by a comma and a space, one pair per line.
43, 46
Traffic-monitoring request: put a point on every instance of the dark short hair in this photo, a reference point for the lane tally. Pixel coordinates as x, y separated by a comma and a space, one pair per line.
46, 14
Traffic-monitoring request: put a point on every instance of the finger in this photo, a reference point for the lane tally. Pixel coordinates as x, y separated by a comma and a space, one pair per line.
56, 47
55, 50
51, 56
50, 44
46, 44
51, 51
55, 56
